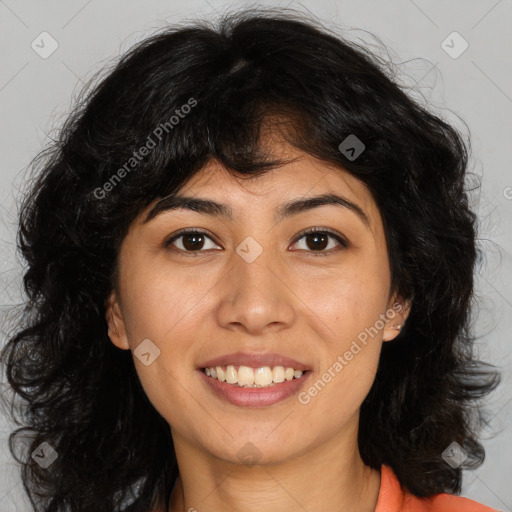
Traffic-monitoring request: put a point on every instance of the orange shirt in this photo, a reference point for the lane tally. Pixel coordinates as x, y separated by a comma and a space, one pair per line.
392, 498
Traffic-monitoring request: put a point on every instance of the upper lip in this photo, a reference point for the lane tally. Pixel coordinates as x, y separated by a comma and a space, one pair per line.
255, 361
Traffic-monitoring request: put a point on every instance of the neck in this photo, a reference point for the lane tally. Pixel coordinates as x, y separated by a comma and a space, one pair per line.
331, 476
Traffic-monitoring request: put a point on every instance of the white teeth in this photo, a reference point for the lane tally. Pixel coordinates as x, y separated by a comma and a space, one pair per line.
246, 376
231, 374
263, 376
221, 375
278, 374
253, 378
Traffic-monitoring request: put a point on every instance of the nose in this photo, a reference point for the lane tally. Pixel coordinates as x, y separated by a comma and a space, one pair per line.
256, 297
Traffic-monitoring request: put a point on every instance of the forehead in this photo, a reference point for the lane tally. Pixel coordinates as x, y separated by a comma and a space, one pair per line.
305, 174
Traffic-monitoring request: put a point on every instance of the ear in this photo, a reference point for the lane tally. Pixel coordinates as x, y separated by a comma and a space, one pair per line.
396, 316
115, 322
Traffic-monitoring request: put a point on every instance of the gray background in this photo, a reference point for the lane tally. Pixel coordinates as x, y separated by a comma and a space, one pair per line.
37, 93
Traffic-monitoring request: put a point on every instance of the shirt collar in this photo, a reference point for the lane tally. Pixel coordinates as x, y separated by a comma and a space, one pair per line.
391, 496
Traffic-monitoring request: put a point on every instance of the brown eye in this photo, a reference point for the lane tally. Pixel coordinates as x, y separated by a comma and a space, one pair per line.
191, 241
318, 240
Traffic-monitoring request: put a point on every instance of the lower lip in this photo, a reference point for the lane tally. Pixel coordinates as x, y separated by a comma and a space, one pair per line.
255, 397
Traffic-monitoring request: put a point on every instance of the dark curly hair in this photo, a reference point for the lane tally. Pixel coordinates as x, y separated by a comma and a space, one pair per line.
203, 91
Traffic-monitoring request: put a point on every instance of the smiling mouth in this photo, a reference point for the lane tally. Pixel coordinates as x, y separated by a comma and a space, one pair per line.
248, 377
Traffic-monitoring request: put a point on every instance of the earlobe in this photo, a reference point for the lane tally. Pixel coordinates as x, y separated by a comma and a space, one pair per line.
115, 322
396, 317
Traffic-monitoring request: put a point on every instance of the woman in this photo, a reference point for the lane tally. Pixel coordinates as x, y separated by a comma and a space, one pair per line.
250, 270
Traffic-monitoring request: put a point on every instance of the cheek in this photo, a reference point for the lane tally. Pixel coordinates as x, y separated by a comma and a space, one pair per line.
348, 309
163, 307
349, 298
348, 371
335, 396
158, 301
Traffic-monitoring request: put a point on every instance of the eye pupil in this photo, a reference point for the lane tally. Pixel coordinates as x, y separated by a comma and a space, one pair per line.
195, 243
316, 236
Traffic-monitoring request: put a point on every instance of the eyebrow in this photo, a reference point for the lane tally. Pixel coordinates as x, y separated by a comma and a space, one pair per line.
213, 208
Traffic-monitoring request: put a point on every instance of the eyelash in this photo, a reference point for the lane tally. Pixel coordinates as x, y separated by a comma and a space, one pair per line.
312, 231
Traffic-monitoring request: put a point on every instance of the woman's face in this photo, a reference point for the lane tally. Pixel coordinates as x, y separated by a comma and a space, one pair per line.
252, 284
